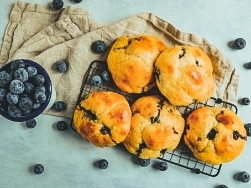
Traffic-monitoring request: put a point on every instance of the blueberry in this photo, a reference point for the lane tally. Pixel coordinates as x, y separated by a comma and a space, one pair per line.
243, 177
21, 74
14, 111
16, 86
28, 87
57, 4
40, 97
59, 106
162, 166
31, 123
239, 43
32, 71
248, 128
144, 162
221, 186
36, 105
38, 169
105, 75
78, 1
40, 89
3, 93
98, 47
25, 103
5, 78
16, 64
103, 164
61, 66
61, 125
245, 101
12, 98
39, 80
96, 80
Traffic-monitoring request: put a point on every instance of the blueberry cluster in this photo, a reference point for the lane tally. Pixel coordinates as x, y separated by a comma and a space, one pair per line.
97, 80
22, 89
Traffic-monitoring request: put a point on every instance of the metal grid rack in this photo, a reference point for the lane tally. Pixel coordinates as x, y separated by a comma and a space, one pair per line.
181, 156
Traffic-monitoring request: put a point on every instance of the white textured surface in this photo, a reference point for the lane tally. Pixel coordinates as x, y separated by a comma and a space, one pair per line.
68, 160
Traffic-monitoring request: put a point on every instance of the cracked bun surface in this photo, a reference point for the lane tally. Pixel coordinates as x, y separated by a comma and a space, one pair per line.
184, 74
215, 135
131, 62
103, 118
156, 127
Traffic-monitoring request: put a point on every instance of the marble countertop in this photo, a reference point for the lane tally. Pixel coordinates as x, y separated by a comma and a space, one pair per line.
68, 160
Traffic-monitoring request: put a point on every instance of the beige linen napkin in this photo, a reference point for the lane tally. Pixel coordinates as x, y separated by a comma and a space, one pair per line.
68, 39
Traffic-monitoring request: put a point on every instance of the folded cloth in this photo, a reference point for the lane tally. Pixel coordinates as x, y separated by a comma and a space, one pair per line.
69, 33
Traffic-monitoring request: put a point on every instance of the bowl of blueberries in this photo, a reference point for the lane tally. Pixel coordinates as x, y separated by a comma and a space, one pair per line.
26, 90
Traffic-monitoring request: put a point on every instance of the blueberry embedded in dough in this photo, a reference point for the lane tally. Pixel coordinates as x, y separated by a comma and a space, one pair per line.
211, 135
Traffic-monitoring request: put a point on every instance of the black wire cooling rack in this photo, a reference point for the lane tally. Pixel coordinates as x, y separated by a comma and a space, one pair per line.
181, 156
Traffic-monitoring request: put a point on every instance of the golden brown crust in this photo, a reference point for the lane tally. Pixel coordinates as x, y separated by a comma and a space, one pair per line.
184, 74
103, 118
215, 135
131, 61
156, 126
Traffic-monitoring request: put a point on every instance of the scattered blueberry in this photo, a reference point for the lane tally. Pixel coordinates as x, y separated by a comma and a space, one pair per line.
103, 164
14, 111
247, 65
39, 80
21, 74
57, 4
221, 186
31, 123
12, 98
25, 103
105, 75
16, 86
32, 71
61, 125
78, 1
248, 128
3, 93
59, 106
96, 80
144, 162
245, 101
239, 43
162, 166
243, 177
28, 87
40, 97
16, 64
61, 66
98, 47
5, 78
38, 169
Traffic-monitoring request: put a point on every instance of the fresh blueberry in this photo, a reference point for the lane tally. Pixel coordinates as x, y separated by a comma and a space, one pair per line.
98, 47
61, 125
14, 111
245, 101
38, 169
5, 78
21, 74
162, 166
31, 123
32, 71
25, 103
36, 105
78, 1
61, 66
40, 89
39, 97
105, 75
16, 64
248, 128
144, 162
96, 80
16, 86
221, 186
243, 177
57, 4
59, 106
39, 80
28, 87
103, 164
3, 93
12, 98
239, 43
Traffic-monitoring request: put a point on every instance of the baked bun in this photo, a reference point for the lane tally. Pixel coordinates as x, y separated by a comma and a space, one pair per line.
184, 74
156, 127
131, 61
103, 118
215, 135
